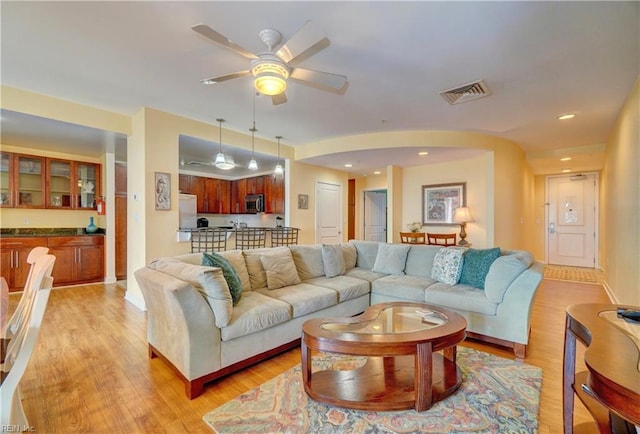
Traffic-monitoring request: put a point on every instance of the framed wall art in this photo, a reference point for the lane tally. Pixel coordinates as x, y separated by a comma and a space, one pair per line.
303, 201
439, 202
163, 191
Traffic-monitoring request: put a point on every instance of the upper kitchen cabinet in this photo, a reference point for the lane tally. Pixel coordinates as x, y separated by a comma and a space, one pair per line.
274, 194
72, 184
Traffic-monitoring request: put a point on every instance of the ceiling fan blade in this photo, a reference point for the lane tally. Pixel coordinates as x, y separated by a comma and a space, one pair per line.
209, 33
279, 99
226, 77
303, 44
326, 81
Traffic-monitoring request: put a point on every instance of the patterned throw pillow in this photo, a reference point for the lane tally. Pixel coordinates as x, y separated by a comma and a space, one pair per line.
447, 265
476, 266
229, 273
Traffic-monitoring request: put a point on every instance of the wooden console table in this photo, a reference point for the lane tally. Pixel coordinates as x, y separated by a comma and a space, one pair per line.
610, 388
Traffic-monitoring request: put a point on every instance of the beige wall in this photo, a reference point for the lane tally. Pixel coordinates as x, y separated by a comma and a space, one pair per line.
540, 216
302, 180
620, 207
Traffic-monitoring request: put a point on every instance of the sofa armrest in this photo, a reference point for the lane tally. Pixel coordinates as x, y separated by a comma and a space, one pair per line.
180, 323
517, 304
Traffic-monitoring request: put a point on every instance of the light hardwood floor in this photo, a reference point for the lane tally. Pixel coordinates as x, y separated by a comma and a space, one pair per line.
90, 371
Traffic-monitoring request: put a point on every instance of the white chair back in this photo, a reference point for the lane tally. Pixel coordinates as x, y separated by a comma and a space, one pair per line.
19, 313
23, 342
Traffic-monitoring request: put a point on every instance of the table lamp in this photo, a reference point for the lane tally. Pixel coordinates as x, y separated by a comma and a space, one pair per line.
462, 216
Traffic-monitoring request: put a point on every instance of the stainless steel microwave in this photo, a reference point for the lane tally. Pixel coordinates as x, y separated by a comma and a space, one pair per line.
254, 203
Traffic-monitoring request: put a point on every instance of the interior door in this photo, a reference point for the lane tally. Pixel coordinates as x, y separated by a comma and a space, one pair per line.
571, 220
375, 215
328, 213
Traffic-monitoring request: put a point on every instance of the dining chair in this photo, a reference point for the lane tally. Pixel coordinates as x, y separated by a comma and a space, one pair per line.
250, 238
441, 239
284, 236
10, 327
23, 342
413, 238
209, 240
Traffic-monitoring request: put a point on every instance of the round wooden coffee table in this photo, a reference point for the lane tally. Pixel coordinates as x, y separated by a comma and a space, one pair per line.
402, 369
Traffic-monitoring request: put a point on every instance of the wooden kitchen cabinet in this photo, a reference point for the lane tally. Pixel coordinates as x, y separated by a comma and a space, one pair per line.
224, 196
29, 181
72, 184
184, 184
7, 186
274, 194
13, 259
238, 192
79, 259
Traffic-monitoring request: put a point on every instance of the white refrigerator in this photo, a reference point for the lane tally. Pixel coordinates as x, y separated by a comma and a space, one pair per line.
188, 211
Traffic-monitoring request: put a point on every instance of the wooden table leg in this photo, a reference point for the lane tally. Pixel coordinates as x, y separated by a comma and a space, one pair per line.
423, 374
306, 363
451, 353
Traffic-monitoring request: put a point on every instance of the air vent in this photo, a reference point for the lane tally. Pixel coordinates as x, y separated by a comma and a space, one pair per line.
467, 92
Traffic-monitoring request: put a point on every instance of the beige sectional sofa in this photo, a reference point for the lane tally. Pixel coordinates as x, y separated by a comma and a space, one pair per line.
193, 324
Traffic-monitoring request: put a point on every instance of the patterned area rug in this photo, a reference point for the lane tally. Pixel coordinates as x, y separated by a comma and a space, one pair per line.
571, 274
497, 396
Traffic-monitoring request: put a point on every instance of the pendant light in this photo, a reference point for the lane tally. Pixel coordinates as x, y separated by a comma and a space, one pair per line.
278, 170
222, 162
253, 164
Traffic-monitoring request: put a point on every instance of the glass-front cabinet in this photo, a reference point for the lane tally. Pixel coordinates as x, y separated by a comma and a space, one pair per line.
28, 181
60, 184
87, 183
6, 180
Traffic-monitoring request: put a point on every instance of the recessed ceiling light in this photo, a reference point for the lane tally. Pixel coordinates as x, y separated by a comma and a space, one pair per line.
377, 172
423, 153
348, 165
566, 116
565, 159
566, 170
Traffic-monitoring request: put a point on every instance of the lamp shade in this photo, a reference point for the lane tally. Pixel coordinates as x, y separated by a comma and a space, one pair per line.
463, 215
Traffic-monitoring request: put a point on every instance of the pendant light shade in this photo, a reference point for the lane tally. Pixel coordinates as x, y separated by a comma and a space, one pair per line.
278, 169
222, 162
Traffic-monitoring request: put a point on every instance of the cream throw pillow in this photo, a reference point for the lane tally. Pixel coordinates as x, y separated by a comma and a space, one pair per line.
391, 258
209, 281
333, 260
280, 270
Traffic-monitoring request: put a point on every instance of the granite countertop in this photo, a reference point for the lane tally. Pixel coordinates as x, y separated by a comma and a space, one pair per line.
46, 232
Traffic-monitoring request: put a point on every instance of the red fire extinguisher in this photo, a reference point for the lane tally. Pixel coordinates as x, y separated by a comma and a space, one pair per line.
101, 206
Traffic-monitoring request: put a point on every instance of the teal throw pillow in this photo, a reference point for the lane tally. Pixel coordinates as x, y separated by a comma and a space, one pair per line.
229, 273
476, 266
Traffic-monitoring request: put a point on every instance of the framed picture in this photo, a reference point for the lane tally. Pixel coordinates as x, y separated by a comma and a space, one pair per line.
163, 191
439, 202
303, 201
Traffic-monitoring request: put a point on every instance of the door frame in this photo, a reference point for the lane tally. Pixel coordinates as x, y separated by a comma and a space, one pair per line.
317, 208
363, 214
596, 221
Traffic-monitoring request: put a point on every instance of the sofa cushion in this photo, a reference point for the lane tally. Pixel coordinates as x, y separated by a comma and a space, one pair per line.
255, 312
367, 253
347, 287
475, 266
333, 260
391, 258
364, 274
280, 269
460, 298
233, 281
504, 271
403, 287
257, 276
209, 281
304, 298
236, 259
350, 255
420, 260
308, 260
447, 265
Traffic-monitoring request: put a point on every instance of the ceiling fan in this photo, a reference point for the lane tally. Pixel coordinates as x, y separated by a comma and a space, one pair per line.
272, 68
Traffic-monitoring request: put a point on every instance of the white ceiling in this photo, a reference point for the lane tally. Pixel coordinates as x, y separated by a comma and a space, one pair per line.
539, 59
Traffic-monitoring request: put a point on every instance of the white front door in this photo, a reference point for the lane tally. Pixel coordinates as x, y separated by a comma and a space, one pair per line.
571, 220
328, 213
375, 215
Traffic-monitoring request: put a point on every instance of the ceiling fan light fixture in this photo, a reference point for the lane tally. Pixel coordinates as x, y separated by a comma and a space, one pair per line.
226, 165
270, 75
